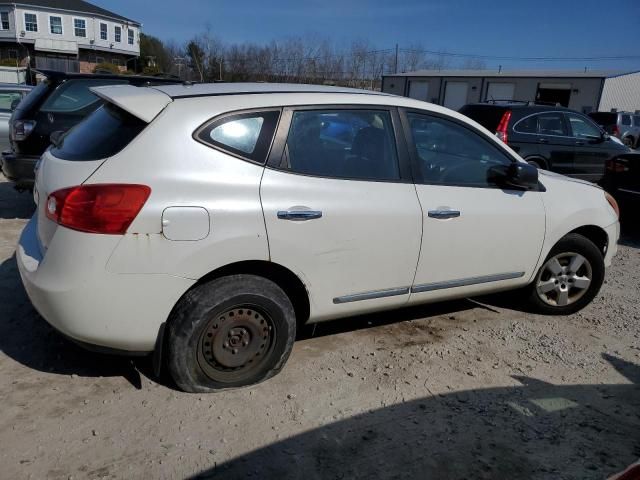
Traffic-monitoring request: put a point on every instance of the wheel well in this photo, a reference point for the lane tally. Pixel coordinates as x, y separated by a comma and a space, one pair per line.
540, 161
596, 234
281, 276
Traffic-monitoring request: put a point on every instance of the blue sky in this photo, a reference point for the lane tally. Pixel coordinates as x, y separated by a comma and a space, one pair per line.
522, 28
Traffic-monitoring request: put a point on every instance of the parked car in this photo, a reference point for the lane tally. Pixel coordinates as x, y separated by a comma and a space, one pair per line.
55, 105
623, 125
549, 137
622, 180
205, 223
10, 97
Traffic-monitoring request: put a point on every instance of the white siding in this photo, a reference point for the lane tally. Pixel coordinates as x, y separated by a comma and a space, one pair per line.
92, 30
622, 93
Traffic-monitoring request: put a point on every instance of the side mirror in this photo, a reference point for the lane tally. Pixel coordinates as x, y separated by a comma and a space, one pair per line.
518, 175
55, 137
14, 104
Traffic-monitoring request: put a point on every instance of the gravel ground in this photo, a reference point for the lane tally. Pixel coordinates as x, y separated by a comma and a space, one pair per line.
466, 389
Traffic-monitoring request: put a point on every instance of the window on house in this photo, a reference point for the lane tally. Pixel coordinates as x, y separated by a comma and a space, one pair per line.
117, 34
13, 54
103, 32
4, 20
116, 61
30, 22
55, 23
79, 27
130, 35
99, 60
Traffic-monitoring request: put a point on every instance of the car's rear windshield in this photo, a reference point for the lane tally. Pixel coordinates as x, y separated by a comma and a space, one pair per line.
101, 135
488, 116
604, 118
34, 96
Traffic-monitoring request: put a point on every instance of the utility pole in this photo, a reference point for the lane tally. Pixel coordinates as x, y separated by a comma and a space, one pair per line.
396, 62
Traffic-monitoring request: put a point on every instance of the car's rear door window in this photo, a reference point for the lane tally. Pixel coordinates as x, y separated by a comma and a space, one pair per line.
103, 134
552, 123
626, 120
636, 120
74, 95
350, 144
247, 135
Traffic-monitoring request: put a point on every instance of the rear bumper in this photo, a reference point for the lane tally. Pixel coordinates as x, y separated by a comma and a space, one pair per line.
19, 168
71, 289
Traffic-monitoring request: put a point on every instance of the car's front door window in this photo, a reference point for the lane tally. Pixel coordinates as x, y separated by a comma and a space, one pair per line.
450, 154
582, 128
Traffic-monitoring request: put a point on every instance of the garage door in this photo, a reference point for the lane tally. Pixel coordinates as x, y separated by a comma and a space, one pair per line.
455, 95
500, 91
419, 89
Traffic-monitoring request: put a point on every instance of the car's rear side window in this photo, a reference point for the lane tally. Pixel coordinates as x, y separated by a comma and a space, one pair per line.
350, 144
8, 98
74, 95
101, 135
636, 120
247, 135
626, 119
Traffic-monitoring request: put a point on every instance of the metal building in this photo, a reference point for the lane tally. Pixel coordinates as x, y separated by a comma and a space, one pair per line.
582, 91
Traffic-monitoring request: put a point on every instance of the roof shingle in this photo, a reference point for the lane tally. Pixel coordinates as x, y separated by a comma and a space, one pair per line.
73, 6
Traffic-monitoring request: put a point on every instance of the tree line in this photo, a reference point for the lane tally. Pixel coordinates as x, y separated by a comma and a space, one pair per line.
206, 58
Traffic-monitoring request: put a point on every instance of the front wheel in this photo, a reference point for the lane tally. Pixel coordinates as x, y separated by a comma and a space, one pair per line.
570, 277
230, 332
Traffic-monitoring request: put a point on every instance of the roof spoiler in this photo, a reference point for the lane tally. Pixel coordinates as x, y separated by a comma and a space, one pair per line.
142, 102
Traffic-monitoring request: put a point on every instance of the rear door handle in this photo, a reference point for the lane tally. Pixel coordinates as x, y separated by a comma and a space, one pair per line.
443, 214
299, 215
579, 142
543, 140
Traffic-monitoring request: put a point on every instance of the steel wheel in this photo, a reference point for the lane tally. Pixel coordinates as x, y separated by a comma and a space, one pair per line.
235, 344
564, 279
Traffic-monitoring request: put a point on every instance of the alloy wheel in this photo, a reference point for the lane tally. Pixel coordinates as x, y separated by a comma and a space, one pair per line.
564, 279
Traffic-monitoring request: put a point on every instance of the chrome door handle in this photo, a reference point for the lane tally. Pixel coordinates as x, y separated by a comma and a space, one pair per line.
442, 214
299, 215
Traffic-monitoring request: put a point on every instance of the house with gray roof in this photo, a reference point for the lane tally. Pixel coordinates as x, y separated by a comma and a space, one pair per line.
66, 35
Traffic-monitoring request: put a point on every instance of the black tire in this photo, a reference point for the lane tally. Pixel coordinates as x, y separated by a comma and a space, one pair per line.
628, 141
536, 163
223, 318
571, 243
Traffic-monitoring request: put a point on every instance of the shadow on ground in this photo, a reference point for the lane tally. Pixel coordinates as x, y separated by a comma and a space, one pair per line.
28, 339
534, 431
14, 204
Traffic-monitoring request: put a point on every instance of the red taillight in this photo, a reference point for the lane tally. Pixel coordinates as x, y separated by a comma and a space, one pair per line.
501, 131
615, 131
101, 208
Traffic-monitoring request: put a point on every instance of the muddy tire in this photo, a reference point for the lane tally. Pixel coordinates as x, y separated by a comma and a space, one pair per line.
231, 332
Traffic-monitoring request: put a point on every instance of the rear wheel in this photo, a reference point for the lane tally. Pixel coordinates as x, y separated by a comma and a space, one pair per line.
570, 277
628, 141
233, 331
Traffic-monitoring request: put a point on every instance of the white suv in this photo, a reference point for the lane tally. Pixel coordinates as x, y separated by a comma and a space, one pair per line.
206, 222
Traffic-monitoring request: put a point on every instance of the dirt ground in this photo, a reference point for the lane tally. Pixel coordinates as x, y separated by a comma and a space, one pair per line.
461, 390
